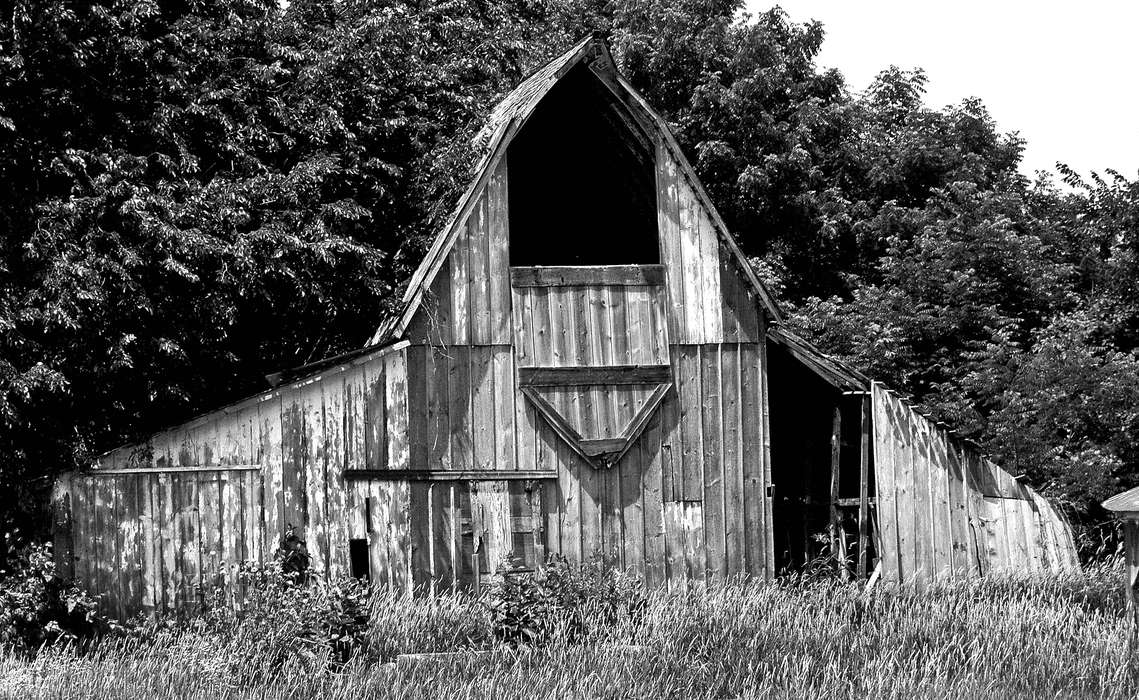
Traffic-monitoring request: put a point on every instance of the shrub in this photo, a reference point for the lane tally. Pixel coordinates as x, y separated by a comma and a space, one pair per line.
37, 607
562, 601
285, 615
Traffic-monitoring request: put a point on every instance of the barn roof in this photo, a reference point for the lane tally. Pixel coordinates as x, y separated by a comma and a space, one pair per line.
505, 120
1126, 502
834, 372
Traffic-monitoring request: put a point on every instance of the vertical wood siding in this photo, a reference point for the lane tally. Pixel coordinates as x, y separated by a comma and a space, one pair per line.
945, 512
150, 541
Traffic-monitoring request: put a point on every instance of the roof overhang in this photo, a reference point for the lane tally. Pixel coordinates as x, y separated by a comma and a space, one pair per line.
833, 372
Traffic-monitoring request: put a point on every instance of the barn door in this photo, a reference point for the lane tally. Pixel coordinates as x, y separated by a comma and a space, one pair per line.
504, 532
454, 535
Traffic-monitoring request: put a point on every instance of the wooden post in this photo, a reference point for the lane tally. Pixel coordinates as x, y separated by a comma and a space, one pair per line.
864, 488
1131, 557
838, 537
62, 542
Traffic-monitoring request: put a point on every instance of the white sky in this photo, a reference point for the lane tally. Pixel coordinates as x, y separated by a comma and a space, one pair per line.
1065, 75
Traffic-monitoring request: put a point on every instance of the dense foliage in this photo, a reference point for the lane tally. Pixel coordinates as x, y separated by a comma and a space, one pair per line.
198, 193
39, 608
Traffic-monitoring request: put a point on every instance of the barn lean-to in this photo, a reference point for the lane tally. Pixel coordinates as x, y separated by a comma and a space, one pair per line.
584, 364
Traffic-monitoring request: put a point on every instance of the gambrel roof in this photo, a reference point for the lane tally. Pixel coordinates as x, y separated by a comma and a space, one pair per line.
505, 121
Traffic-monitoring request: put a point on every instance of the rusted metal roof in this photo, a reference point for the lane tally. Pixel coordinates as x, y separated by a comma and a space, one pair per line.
1126, 502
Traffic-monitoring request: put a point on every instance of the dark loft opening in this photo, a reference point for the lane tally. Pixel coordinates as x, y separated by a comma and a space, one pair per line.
582, 184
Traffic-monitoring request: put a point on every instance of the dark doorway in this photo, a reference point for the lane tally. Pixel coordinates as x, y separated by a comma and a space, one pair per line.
802, 420
582, 184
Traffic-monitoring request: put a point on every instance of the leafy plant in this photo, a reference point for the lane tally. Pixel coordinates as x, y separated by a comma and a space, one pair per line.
561, 601
37, 607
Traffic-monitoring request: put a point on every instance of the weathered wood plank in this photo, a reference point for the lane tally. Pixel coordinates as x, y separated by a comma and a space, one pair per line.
668, 222
692, 329
588, 276
633, 470
210, 533
498, 263
568, 494
652, 503
888, 479
150, 542
419, 436
444, 544
396, 409
399, 542
420, 521
732, 460
459, 263
752, 451
377, 509
171, 545
711, 430
611, 513
502, 423
336, 508
963, 568
590, 375
695, 547
939, 501
478, 241
438, 429
482, 408
691, 392
460, 410
710, 294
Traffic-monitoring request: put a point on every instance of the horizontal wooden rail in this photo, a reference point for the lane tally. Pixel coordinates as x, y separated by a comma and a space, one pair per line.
600, 374
174, 470
588, 275
448, 475
853, 502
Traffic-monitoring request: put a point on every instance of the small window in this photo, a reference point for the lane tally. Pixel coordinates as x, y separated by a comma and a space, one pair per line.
358, 556
582, 184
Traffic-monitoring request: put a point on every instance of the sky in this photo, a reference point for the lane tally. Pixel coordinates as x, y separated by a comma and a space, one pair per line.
1065, 75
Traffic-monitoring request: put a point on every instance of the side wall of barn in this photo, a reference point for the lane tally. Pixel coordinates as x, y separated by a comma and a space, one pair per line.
946, 512
158, 524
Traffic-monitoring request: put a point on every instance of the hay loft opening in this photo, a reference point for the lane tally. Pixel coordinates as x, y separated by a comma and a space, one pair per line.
581, 181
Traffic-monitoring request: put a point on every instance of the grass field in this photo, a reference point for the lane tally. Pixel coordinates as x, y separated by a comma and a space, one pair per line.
1046, 638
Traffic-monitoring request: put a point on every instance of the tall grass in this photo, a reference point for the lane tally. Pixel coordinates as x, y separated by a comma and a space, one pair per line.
1054, 637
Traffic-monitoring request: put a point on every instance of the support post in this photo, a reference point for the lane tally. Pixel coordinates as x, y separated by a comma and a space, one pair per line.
838, 537
864, 487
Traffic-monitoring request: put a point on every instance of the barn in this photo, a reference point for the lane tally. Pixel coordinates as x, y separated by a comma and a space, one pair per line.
584, 364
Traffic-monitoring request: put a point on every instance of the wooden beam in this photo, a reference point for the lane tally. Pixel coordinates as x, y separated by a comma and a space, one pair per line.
854, 502
599, 374
175, 470
447, 475
556, 421
864, 486
838, 537
587, 276
599, 447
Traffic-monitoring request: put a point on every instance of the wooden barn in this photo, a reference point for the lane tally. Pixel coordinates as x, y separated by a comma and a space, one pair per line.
584, 364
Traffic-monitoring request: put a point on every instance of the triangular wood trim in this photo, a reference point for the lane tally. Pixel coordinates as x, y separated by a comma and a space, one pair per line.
599, 452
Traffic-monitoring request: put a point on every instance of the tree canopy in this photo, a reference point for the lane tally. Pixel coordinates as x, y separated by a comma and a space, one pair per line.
200, 193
